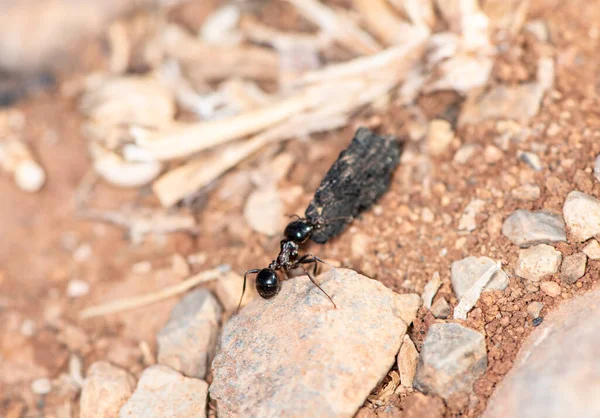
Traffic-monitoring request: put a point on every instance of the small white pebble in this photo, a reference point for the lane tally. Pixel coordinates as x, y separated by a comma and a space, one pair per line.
75, 370
77, 288
82, 253
41, 386
29, 176
28, 328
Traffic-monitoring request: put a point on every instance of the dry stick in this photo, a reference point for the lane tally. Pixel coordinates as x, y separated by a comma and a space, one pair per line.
341, 27
150, 298
382, 21
183, 141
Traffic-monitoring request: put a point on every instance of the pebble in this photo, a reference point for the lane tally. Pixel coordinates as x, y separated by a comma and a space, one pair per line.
441, 309
266, 364
525, 228
163, 392
465, 272
592, 250
453, 357
537, 262
77, 288
407, 360
431, 289
229, 290
264, 210
464, 153
407, 305
41, 386
573, 268
527, 192
439, 136
582, 215
105, 390
470, 298
188, 341
492, 154
556, 371
534, 309
552, 289
28, 328
532, 160
597, 168
467, 221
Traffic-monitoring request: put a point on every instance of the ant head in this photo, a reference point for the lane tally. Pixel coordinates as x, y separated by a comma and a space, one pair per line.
267, 283
298, 231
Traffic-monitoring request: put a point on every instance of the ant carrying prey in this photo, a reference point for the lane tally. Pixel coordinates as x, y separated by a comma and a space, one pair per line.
268, 283
359, 176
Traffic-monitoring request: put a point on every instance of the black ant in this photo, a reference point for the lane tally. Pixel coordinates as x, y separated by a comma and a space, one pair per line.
268, 283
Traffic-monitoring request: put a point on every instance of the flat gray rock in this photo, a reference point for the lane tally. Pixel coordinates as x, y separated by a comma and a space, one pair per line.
557, 371
525, 228
452, 358
465, 272
295, 355
188, 341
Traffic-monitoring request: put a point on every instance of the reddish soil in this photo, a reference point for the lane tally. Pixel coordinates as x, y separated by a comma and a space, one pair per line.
45, 244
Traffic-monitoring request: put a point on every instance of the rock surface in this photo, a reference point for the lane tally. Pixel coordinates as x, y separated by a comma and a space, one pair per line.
537, 262
573, 268
295, 354
592, 250
407, 360
466, 272
556, 373
525, 228
451, 359
526, 192
582, 215
188, 342
468, 220
441, 309
105, 390
552, 289
163, 392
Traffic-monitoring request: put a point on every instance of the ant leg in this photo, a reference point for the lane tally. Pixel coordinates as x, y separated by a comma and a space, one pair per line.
293, 215
244, 287
320, 288
307, 258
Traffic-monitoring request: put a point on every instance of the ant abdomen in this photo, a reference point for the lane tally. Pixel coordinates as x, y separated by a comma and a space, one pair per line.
267, 283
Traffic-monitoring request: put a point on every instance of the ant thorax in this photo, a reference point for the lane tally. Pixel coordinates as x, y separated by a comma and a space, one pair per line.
288, 255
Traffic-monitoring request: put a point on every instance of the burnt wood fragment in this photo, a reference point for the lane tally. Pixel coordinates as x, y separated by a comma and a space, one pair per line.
355, 181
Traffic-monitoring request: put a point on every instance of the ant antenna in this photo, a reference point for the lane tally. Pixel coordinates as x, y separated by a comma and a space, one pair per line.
244, 287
